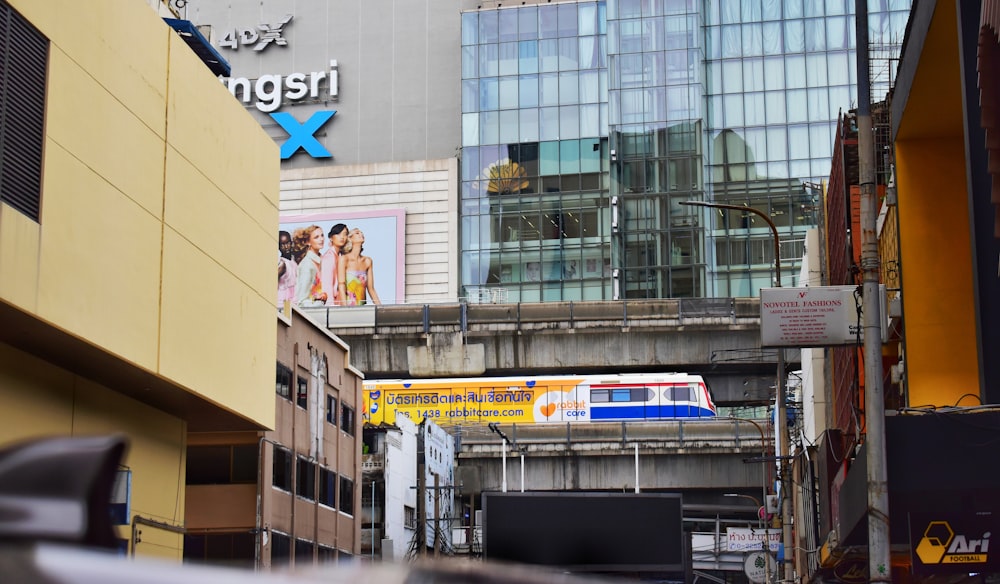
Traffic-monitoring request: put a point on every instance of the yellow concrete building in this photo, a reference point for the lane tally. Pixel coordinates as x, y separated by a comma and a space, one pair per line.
137, 200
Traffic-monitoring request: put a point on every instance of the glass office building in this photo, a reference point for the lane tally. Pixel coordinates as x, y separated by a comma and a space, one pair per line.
586, 124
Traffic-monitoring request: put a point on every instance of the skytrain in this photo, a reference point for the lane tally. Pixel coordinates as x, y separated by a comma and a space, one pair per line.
539, 399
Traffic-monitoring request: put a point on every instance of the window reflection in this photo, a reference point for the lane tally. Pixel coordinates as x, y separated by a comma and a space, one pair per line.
760, 83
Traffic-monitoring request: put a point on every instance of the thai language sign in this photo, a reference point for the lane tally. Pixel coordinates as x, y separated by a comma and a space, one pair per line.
745, 539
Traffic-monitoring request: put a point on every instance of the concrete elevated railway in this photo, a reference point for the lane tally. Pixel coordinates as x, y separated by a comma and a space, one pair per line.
718, 338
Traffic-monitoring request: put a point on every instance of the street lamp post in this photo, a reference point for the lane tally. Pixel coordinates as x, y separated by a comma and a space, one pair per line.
760, 509
763, 460
765, 541
780, 413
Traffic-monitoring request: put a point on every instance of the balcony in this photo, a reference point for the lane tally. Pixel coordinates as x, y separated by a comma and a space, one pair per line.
372, 462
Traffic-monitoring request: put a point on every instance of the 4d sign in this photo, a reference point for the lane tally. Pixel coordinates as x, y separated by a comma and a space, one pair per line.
303, 135
260, 37
952, 543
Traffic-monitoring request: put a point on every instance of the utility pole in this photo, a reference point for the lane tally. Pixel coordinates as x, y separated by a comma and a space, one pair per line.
421, 511
878, 496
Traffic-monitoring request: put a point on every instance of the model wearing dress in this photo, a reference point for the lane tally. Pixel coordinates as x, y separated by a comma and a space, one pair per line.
357, 285
356, 274
308, 287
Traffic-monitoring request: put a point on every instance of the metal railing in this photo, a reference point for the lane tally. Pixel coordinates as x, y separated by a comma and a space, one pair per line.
718, 432
541, 315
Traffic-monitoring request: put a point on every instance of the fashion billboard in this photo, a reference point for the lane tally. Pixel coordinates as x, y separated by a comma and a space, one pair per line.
341, 259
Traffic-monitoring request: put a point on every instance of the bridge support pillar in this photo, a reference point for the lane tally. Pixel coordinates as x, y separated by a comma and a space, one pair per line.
446, 355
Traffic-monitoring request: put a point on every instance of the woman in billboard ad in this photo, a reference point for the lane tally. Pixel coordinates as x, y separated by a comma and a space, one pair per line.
329, 261
307, 243
356, 278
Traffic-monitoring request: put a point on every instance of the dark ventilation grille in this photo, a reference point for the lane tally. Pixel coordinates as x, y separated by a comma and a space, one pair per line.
23, 60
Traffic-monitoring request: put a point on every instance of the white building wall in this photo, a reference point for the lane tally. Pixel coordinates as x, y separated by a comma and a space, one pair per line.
814, 401
400, 476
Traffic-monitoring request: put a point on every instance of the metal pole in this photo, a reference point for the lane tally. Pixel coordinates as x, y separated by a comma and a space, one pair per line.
522, 472
636, 467
764, 478
780, 399
373, 518
878, 495
503, 453
765, 541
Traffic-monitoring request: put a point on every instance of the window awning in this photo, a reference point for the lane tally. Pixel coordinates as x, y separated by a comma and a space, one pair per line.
200, 45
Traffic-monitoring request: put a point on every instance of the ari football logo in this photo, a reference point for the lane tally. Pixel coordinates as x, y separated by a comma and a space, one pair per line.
941, 545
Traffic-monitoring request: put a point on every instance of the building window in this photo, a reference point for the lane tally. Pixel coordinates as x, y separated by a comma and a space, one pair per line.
347, 495
326, 555
331, 409
282, 469
221, 465
283, 382
327, 488
302, 392
234, 550
347, 419
281, 548
305, 478
22, 107
304, 551
409, 517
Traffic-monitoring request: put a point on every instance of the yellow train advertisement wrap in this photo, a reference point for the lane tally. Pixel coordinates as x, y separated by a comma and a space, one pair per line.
538, 399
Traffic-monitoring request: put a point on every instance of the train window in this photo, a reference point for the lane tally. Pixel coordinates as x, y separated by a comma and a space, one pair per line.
629, 394
599, 396
680, 393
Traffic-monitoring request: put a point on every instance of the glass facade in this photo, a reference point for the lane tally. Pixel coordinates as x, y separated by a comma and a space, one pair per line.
586, 124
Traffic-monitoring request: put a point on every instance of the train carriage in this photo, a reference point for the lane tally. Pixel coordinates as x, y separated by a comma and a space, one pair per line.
540, 399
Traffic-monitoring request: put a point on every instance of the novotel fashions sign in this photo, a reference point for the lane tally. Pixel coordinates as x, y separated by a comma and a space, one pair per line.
815, 316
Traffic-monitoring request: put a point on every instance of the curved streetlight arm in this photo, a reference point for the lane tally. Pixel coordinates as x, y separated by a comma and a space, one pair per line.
751, 497
759, 213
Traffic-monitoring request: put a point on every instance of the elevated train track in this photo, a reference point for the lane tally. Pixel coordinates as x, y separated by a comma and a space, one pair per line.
718, 338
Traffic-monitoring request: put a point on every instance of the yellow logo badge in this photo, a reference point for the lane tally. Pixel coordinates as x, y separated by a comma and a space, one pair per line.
941, 545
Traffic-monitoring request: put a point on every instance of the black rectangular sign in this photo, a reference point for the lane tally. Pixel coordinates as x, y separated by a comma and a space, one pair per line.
595, 532
954, 542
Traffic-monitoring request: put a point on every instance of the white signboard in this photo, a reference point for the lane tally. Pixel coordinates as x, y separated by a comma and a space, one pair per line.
744, 539
755, 566
816, 316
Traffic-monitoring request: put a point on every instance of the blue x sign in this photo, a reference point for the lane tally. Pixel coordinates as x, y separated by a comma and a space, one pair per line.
303, 135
